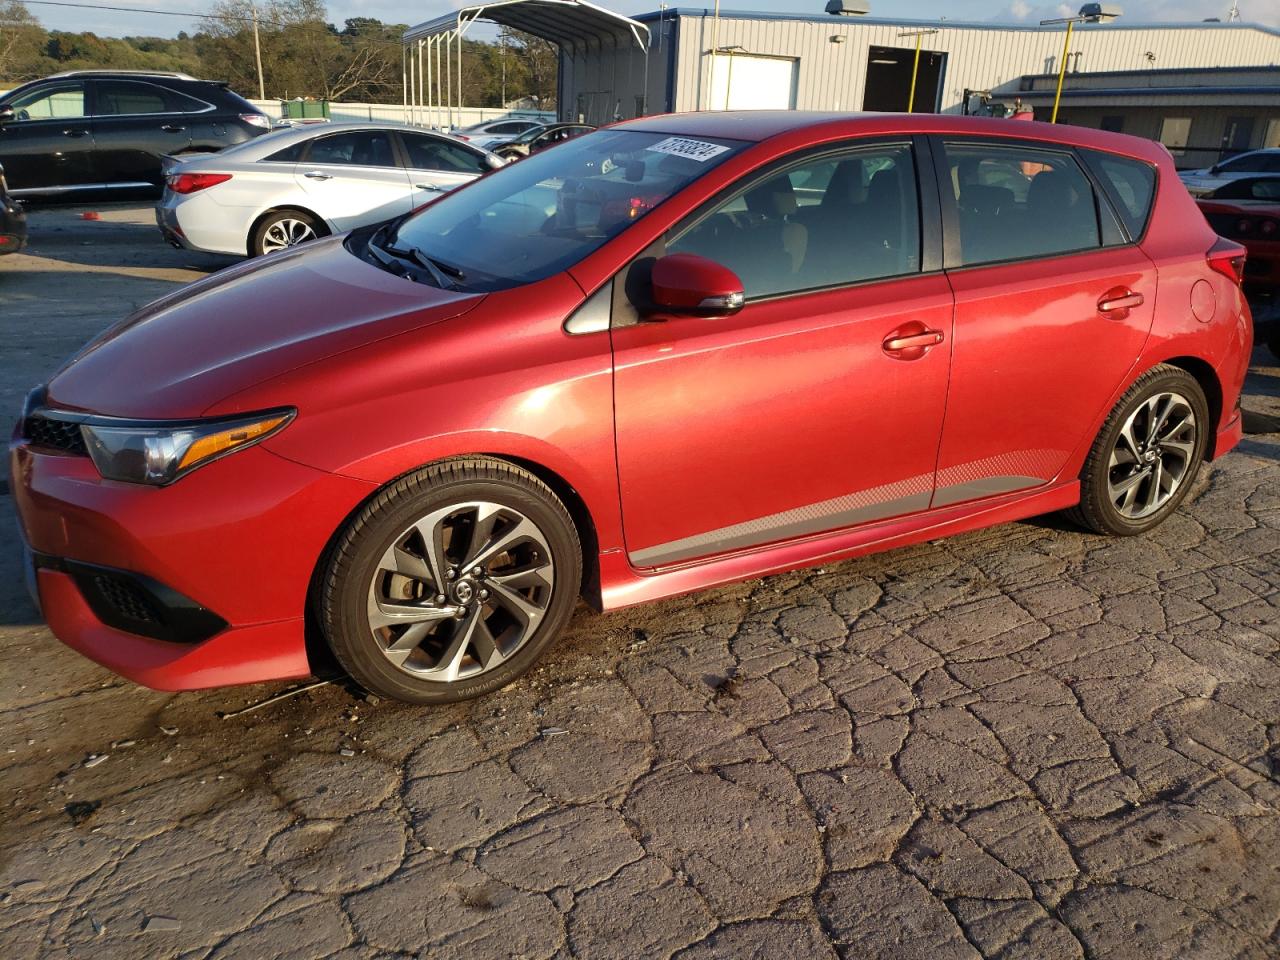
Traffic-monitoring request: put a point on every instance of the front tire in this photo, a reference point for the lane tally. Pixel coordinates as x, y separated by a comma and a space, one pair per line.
451, 582
1146, 456
282, 229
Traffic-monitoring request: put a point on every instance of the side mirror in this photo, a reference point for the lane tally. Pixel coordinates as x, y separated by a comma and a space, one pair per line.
6, 114
690, 285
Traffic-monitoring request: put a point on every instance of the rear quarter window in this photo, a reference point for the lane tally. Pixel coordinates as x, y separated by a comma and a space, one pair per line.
1132, 183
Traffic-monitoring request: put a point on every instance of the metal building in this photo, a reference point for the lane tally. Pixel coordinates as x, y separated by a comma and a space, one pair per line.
614, 67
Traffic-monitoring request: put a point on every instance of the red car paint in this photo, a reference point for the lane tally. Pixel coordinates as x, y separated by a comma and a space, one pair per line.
912, 393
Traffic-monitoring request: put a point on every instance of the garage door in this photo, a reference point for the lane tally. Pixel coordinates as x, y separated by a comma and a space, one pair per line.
741, 82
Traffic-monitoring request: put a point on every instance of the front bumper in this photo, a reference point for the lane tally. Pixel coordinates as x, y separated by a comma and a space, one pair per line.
238, 539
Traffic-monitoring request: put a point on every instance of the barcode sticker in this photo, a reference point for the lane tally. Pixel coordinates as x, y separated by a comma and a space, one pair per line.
698, 150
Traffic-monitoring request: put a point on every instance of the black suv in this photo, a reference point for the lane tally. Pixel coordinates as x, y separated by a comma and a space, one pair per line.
94, 130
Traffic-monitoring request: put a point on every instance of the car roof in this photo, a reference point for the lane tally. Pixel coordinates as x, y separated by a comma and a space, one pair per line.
282, 138
760, 125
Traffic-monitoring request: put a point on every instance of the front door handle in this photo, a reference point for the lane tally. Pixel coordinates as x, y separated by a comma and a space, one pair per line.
317, 175
172, 128
429, 186
75, 132
1117, 302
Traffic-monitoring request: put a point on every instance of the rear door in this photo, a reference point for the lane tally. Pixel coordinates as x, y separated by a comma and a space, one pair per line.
437, 164
804, 412
48, 145
1053, 307
135, 123
355, 178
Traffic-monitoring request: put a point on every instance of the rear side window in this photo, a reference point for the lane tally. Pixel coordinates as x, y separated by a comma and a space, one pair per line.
1016, 202
123, 98
365, 148
1131, 182
288, 155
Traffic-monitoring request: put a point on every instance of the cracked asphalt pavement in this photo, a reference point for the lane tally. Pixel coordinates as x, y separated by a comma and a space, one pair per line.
1026, 742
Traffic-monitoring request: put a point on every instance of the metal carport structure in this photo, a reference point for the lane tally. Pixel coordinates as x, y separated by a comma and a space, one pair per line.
433, 57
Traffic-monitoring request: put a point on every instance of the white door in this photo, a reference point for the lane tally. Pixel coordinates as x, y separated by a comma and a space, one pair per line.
743, 82
438, 164
353, 178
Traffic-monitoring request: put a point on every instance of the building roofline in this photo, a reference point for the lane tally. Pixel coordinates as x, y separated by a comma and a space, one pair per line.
1157, 72
1146, 92
674, 12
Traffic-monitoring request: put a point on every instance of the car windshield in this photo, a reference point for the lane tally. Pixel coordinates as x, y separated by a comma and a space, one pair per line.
539, 216
529, 134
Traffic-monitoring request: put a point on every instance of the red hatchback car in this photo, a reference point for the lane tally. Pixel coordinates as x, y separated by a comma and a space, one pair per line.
670, 354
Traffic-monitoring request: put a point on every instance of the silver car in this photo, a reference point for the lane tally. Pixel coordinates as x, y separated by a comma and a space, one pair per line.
1250, 164
294, 185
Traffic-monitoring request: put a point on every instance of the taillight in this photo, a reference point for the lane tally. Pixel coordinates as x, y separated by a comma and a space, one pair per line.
191, 182
1227, 258
257, 120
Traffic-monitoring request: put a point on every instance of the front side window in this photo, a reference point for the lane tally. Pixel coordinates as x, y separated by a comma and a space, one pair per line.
834, 220
63, 102
542, 215
435, 153
1015, 202
360, 148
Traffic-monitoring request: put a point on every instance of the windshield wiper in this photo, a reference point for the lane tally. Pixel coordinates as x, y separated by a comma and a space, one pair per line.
440, 271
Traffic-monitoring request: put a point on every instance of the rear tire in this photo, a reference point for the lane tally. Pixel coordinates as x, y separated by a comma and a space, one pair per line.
1146, 456
451, 582
282, 229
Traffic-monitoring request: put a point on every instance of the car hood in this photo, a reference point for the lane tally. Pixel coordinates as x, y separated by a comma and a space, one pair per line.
180, 355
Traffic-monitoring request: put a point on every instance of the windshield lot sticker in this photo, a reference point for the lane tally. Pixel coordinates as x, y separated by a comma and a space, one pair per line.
698, 150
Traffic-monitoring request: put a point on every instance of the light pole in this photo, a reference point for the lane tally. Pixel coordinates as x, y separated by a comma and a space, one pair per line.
915, 66
1089, 13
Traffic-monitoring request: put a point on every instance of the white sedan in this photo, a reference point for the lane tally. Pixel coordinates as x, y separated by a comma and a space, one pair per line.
1201, 182
295, 185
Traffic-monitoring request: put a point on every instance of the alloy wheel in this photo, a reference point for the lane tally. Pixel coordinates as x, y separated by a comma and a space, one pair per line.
460, 591
1152, 454
287, 232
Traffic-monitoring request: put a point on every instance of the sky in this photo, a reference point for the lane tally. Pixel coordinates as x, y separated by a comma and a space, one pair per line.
112, 23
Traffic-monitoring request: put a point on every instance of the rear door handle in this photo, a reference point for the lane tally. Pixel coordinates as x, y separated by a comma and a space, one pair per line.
171, 128
429, 186
317, 175
915, 341
75, 132
1120, 301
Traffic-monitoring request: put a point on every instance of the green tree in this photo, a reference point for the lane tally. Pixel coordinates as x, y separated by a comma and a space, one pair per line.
22, 43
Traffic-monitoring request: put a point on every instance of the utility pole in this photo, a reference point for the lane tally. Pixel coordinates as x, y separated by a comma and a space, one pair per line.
257, 55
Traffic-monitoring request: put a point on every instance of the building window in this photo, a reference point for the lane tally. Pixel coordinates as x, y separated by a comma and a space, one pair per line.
1174, 133
1114, 123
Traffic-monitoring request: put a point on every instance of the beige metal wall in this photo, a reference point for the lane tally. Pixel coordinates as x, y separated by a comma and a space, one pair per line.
832, 75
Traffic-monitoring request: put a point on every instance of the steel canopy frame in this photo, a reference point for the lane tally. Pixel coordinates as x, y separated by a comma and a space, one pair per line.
431, 100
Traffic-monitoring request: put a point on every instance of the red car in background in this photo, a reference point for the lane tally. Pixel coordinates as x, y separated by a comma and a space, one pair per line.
670, 354
1248, 211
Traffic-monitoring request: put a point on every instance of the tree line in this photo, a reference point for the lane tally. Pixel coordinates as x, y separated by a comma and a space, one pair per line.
303, 55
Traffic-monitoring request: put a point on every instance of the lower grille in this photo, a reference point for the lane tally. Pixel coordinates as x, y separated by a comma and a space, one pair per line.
58, 434
126, 598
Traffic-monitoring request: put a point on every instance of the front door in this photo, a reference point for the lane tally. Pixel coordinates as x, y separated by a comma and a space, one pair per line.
816, 407
1053, 307
354, 178
48, 145
436, 165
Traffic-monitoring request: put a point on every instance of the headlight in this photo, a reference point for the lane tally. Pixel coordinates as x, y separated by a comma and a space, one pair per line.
159, 453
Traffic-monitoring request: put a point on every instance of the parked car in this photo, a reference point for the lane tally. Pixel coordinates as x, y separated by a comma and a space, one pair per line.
95, 130
296, 185
539, 138
631, 367
13, 220
497, 131
1200, 182
1248, 211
